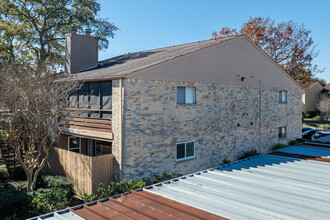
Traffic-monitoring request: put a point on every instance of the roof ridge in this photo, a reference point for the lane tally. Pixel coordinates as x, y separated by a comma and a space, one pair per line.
129, 53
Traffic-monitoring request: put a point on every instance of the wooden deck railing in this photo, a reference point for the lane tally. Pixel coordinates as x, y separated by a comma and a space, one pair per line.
85, 171
94, 124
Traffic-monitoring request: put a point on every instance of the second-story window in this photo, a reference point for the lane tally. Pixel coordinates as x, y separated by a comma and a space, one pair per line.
281, 132
93, 100
283, 96
186, 95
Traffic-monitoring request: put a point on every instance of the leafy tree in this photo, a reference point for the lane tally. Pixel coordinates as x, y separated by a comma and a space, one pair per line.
34, 30
324, 107
323, 82
35, 104
287, 43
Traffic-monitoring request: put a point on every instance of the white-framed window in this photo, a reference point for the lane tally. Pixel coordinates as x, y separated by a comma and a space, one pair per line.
283, 96
282, 132
186, 95
185, 150
74, 144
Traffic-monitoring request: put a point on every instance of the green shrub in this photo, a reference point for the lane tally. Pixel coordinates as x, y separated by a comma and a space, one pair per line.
293, 142
4, 175
48, 200
297, 141
17, 186
316, 118
12, 204
324, 126
88, 197
166, 176
51, 181
19, 174
279, 146
117, 188
225, 161
126, 186
310, 114
160, 178
247, 154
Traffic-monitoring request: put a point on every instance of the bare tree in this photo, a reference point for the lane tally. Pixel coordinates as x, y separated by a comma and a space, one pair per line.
324, 107
36, 103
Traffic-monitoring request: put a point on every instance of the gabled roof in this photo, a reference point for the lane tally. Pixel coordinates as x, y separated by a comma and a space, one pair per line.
122, 65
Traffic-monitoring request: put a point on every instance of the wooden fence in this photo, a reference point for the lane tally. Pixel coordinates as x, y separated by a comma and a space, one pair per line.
85, 171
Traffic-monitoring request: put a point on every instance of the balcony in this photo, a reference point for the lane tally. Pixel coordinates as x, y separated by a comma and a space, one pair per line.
89, 128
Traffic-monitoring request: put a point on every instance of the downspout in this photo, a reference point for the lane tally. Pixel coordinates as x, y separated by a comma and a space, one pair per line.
260, 91
121, 128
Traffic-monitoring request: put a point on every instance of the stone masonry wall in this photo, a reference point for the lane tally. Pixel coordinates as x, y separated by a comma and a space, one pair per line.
154, 123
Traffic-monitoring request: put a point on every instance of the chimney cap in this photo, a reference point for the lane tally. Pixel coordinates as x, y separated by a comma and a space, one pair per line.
88, 31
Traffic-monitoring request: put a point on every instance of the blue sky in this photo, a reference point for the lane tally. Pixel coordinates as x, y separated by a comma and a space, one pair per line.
149, 24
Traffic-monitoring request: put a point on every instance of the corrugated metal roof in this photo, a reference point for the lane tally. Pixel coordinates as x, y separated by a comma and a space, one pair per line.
121, 65
59, 215
134, 205
291, 183
263, 187
140, 205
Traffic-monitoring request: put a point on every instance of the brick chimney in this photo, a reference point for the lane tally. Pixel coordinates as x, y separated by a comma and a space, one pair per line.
81, 51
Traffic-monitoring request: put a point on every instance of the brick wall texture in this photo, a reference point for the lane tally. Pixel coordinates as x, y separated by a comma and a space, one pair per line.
116, 127
154, 123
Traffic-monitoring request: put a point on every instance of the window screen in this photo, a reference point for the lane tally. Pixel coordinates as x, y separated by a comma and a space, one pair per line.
186, 95
283, 96
190, 149
180, 151
94, 92
96, 96
73, 99
181, 95
106, 95
190, 95
83, 96
185, 150
281, 132
74, 144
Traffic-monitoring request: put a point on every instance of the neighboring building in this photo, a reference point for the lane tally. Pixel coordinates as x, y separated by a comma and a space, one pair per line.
325, 93
181, 108
311, 96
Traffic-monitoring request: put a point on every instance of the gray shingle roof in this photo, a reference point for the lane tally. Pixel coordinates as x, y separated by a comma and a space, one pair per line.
122, 65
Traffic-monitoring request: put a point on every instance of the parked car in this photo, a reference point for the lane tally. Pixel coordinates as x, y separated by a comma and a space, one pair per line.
305, 129
311, 134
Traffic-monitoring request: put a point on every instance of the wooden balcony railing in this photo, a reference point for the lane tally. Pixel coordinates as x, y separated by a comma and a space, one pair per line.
93, 124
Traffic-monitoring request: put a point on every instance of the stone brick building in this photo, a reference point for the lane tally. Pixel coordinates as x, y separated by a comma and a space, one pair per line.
183, 108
